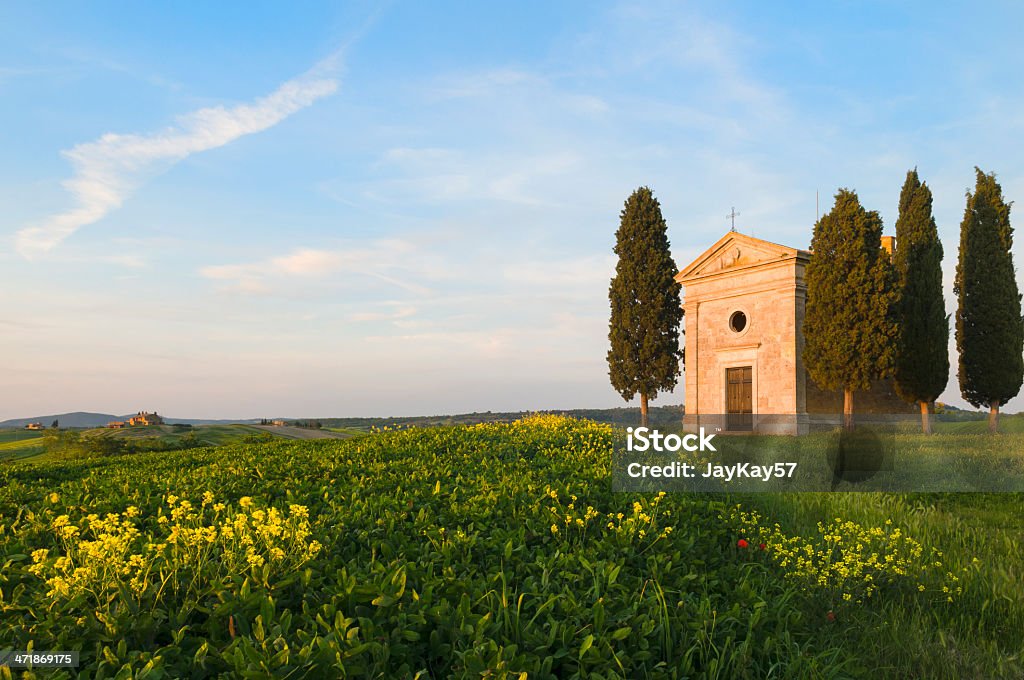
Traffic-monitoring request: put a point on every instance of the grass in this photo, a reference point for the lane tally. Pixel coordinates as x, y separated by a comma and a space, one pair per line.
473, 551
21, 449
205, 435
23, 445
351, 431
982, 634
1008, 424
16, 435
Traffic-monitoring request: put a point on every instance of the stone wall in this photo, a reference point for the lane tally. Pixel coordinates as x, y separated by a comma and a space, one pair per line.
766, 297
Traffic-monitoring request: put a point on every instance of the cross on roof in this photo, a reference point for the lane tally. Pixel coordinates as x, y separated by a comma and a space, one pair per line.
733, 215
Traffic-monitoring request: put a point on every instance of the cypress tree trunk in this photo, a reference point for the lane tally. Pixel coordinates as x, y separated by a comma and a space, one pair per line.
926, 422
848, 409
643, 409
993, 417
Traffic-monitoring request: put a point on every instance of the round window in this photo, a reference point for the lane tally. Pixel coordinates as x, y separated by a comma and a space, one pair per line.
737, 322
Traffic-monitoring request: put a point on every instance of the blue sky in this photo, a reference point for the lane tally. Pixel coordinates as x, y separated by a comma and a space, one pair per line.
245, 210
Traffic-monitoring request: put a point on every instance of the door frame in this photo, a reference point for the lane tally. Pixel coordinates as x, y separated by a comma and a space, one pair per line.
739, 360
729, 415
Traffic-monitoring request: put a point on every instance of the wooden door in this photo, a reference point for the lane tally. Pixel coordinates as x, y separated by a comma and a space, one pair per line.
740, 398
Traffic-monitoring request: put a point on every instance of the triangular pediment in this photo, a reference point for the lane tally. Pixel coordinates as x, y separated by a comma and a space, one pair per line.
736, 251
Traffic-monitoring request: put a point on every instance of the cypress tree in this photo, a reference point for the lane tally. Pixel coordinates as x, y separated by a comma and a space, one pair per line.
922, 347
989, 329
848, 327
645, 306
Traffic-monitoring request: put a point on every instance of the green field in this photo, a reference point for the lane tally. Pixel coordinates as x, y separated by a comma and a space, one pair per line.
492, 551
21, 445
206, 435
9, 436
1012, 424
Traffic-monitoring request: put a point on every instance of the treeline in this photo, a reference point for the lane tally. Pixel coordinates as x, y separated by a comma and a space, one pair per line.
871, 314
75, 444
658, 415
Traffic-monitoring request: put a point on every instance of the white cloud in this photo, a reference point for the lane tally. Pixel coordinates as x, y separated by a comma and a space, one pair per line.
400, 313
431, 176
481, 83
393, 261
107, 170
591, 272
308, 262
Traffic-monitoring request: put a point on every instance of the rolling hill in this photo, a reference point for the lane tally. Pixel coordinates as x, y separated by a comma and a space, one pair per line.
89, 420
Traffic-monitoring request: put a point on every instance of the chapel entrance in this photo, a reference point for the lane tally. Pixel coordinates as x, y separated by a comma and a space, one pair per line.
739, 399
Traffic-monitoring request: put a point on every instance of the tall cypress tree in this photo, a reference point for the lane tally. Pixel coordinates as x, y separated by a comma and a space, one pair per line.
646, 312
922, 347
989, 329
848, 321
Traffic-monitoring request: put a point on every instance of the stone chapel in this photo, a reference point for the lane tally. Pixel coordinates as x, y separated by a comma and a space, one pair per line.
744, 302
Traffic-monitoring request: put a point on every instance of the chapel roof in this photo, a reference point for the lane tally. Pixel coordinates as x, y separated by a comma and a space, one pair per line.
736, 250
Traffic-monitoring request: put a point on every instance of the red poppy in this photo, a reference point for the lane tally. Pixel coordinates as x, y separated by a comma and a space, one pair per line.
742, 543
830, 616
762, 546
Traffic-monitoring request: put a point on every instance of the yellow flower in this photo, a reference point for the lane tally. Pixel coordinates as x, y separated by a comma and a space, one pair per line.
554, 528
244, 502
69, 531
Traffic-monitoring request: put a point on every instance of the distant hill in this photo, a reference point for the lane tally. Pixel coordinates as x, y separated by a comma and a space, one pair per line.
89, 420
202, 421
659, 416
76, 419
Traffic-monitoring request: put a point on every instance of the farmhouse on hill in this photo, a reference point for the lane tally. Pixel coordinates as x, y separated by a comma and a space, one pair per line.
145, 418
744, 302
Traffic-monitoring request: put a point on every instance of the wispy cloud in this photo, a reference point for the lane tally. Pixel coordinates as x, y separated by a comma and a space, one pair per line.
386, 260
413, 176
107, 170
588, 272
400, 313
